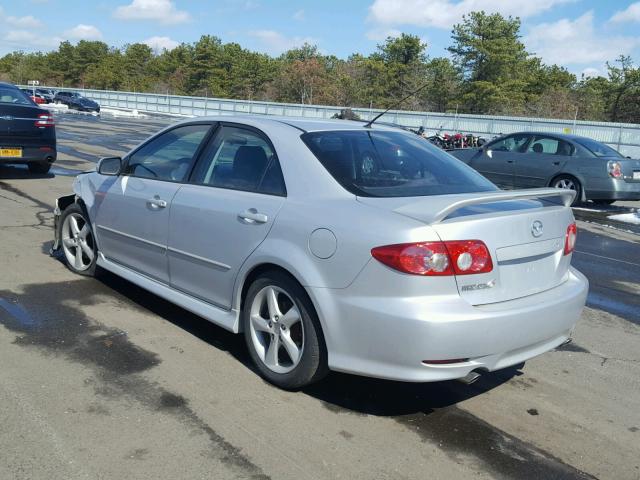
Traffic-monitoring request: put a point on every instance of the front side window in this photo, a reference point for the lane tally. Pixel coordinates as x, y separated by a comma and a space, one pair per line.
513, 143
549, 145
392, 164
168, 156
241, 159
14, 96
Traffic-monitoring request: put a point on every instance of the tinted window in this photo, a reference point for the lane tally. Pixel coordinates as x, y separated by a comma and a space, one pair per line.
549, 145
513, 143
392, 164
168, 156
599, 149
241, 159
14, 96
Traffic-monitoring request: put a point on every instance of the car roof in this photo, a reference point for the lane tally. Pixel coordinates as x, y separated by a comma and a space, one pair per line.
303, 124
6, 84
567, 136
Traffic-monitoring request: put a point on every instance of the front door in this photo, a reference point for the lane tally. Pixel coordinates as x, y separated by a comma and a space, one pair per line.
498, 159
132, 218
224, 214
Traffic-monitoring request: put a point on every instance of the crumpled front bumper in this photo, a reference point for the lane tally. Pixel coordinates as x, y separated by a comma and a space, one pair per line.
61, 204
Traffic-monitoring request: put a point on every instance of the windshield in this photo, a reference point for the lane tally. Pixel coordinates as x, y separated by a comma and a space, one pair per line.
14, 96
598, 149
392, 164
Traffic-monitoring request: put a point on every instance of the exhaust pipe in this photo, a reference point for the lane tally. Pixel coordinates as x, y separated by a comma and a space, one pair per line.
469, 378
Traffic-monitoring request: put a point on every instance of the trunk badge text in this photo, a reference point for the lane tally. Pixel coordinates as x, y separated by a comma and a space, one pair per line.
6, 117
537, 228
478, 286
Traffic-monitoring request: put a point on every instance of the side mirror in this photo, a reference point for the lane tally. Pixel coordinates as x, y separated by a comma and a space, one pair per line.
109, 166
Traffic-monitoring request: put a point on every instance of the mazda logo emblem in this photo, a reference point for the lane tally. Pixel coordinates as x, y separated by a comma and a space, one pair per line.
537, 228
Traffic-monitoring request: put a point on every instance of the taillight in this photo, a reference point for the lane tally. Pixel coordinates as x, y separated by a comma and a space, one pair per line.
570, 239
615, 169
436, 258
44, 120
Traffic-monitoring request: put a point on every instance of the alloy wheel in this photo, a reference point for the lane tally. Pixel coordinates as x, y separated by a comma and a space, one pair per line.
565, 183
277, 330
77, 242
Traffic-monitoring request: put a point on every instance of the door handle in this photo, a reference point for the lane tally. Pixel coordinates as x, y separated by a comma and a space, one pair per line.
252, 216
156, 202
509, 161
556, 163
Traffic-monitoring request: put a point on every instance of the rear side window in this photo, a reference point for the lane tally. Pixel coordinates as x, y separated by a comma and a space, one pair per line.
241, 159
392, 164
14, 96
550, 146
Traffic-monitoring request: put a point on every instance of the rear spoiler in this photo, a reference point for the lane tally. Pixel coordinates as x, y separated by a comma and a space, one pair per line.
452, 203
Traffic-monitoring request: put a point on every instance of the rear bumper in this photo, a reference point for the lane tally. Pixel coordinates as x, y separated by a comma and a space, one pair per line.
39, 154
388, 337
614, 189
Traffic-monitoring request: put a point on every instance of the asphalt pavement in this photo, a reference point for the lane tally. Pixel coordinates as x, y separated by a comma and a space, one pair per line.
102, 380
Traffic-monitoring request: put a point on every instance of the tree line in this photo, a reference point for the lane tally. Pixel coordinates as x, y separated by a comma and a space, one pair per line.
489, 71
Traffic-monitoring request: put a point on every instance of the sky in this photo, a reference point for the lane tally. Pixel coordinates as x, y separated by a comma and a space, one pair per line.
580, 35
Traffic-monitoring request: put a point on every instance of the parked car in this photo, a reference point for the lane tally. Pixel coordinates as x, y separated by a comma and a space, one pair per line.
332, 245
27, 132
592, 169
46, 93
37, 99
76, 101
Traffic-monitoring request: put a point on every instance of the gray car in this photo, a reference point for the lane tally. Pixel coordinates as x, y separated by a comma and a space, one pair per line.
332, 245
535, 159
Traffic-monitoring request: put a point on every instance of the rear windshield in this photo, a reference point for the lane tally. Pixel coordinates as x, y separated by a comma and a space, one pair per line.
598, 149
392, 164
14, 96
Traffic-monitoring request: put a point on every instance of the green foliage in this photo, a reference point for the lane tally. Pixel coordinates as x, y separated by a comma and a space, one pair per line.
490, 71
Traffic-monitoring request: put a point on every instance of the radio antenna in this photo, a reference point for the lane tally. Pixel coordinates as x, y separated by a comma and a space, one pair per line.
397, 104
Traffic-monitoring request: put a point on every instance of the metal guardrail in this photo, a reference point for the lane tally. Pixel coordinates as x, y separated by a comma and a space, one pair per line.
622, 136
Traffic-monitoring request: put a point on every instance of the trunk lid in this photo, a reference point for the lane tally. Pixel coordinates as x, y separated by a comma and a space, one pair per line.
526, 259
17, 123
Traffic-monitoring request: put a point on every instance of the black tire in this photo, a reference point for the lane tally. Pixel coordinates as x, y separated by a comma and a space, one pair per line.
603, 202
39, 167
78, 211
561, 180
312, 366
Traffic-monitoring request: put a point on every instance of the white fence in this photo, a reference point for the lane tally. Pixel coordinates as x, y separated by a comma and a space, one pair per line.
622, 136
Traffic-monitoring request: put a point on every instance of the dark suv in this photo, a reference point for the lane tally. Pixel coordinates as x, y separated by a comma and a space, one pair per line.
76, 101
27, 132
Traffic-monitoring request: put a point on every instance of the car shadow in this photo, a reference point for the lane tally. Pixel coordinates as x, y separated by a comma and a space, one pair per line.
20, 172
338, 391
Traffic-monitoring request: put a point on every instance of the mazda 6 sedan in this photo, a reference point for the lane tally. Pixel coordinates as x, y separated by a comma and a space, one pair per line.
332, 245
592, 169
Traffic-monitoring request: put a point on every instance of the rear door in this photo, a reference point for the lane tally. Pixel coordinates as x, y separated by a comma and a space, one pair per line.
133, 213
545, 156
225, 212
497, 160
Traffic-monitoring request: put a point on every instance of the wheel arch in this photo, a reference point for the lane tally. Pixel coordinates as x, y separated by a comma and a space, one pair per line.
578, 178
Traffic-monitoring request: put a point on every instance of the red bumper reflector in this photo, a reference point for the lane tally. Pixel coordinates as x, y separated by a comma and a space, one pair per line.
445, 362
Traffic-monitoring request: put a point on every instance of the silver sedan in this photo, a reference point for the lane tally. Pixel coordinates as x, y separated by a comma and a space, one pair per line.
332, 246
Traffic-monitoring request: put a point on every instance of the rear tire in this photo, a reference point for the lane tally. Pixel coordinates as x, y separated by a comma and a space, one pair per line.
568, 182
282, 332
39, 168
77, 241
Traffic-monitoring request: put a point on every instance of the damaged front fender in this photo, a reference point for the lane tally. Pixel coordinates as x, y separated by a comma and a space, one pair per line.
61, 204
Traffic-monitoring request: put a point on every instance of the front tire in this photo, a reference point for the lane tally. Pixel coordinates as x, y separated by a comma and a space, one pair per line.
282, 332
568, 182
603, 202
77, 241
